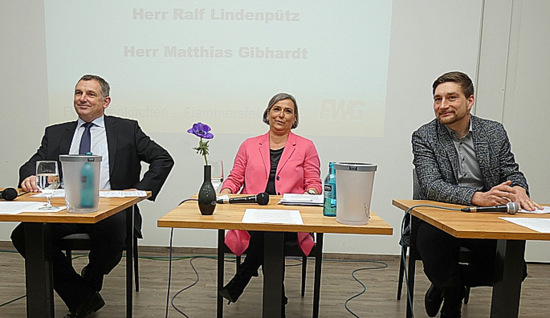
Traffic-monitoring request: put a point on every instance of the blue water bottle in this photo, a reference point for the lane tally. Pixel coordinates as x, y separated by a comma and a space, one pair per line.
87, 191
329, 207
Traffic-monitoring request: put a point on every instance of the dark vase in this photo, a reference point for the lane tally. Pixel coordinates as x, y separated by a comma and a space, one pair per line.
207, 194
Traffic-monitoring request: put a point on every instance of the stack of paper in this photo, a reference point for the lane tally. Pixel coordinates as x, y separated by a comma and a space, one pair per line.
302, 199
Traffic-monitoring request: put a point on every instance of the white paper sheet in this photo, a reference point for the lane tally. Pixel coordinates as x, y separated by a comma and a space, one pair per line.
121, 194
57, 193
21, 206
60, 193
272, 216
539, 225
545, 210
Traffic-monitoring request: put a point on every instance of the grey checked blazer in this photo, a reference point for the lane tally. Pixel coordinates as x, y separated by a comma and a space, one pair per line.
436, 160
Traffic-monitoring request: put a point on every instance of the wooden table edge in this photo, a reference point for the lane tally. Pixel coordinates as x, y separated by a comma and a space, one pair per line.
65, 217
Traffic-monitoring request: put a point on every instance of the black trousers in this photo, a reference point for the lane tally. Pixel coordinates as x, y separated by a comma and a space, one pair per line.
108, 241
255, 251
255, 255
439, 252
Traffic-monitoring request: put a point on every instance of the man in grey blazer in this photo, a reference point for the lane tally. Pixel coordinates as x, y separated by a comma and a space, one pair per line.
123, 146
460, 158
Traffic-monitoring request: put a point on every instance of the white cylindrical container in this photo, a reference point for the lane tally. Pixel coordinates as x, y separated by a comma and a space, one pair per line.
81, 182
354, 183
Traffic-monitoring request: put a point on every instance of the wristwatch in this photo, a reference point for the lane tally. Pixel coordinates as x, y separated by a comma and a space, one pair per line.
311, 191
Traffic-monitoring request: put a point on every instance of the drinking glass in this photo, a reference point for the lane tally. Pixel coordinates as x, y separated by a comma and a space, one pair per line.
216, 174
47, 180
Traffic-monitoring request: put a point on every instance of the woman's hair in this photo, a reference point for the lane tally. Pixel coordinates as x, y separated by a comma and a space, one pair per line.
277, 98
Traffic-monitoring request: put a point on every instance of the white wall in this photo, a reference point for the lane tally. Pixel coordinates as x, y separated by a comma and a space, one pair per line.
525, 111
500, 44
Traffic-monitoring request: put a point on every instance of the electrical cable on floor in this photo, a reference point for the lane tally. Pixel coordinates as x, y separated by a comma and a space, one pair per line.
169, 271
383, 265
11, 301
197, 278
20, 297
403, 256
298, 263
170, 266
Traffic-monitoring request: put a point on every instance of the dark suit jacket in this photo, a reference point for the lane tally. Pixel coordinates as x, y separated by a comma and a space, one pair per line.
128, 146
436, 160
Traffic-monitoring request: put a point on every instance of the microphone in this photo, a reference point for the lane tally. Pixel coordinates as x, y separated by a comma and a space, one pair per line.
260, 198
510, 208
8, 194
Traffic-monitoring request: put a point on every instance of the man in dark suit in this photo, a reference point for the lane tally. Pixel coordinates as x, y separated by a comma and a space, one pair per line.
123, 146
460, 158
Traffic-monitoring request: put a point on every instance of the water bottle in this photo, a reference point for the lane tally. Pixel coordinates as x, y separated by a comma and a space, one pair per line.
87, 192
329, 207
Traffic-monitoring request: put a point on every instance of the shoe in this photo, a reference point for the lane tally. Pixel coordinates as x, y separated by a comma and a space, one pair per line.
433, 300
233, 290
89, 306
452, 305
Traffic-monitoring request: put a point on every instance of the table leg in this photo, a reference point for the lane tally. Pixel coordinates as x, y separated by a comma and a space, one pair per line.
129, 259
273, 268
219, 302
38, 269
509, 267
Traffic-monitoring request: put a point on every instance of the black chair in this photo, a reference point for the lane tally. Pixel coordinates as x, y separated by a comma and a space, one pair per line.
291, 249
81, 242
408, 243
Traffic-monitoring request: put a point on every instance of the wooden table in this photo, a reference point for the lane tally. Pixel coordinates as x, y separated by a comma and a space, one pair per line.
38, 265
229, 216
510, 245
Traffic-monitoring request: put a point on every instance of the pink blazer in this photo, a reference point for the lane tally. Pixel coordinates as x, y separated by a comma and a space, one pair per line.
298, 169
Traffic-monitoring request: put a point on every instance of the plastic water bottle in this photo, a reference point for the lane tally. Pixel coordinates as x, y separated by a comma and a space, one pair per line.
329, 207
87, 197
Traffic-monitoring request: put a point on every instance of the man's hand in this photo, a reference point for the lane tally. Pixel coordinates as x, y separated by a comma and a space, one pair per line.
29, 184
523, 200
504, 193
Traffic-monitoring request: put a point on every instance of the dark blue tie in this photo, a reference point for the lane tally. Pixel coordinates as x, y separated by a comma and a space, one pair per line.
86, 139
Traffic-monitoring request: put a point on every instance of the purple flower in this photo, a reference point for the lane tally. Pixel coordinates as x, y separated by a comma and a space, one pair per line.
201, 130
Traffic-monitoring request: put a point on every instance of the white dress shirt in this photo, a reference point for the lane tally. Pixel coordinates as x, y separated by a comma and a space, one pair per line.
98, 147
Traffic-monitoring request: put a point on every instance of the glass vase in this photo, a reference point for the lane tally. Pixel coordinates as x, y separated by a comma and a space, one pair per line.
207, 194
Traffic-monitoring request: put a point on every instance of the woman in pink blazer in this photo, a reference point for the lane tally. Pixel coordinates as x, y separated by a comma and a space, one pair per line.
277, 162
